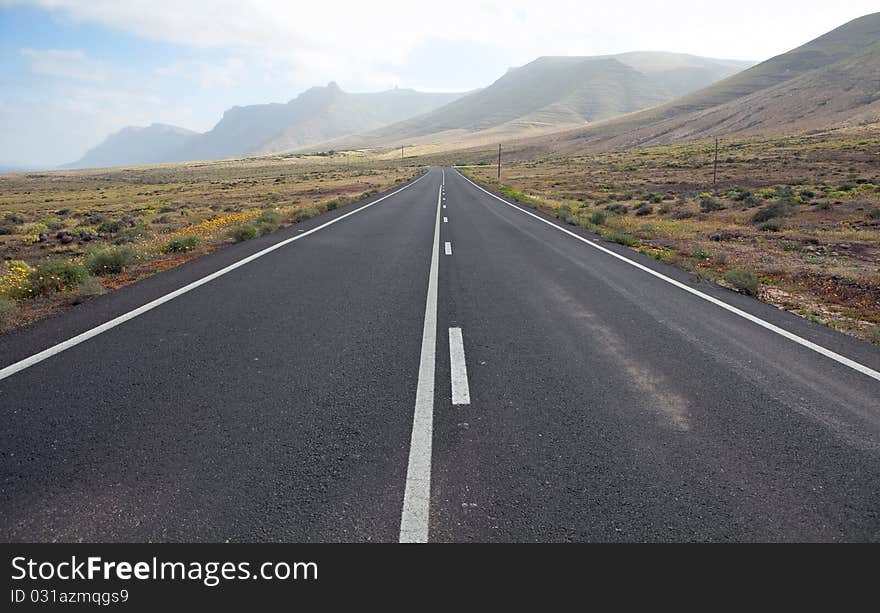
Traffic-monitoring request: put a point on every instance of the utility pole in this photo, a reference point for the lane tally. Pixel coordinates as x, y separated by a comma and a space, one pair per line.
401, 152
715, 166
499, 162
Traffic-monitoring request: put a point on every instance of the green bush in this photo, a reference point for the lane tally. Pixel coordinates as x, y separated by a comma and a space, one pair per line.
51, 276
7, 227
770, 211
110, 260
874, 213
708, 204
89, 288
644, 209
267, 222
244, 232
110, 227
566, 215
132, 234
807, 194
183, 244
742, 280
302, 214
269, 217
623, 238
772, 225
7, 309
597, 218
338, 202
617, 209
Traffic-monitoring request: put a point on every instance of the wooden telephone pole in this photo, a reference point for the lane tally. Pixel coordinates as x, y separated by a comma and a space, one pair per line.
715, 166
499, 161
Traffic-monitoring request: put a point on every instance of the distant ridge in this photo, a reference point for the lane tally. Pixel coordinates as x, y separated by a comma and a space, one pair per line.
554, 92
832, 81
317, 114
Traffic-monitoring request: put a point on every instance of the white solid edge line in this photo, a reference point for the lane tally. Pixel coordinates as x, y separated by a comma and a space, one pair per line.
417, 495
745, 315
80, 338
447, 247
458, 368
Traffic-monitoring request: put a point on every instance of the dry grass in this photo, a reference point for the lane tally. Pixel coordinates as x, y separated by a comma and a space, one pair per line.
820, 257
62, 215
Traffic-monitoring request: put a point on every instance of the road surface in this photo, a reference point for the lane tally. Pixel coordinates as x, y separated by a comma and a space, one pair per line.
436, 365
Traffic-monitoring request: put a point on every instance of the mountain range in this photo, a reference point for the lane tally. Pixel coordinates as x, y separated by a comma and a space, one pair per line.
318, 114
830, 82
553, 93
559, 104
549, 93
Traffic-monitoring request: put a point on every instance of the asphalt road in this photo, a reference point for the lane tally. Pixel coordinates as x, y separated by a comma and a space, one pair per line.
438, 366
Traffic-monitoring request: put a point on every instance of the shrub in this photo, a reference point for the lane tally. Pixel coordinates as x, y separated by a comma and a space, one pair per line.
617, 209
874, 213
655, 198
772, 225
565, 214
110, 227
597, 218
742, 280
302, 214
268, 216
267, 222
7, 309
807, 194
682, 214
708, 204
623, 238
183, 244
110, 260
644, 209
244, 232
130, 235
338, 202
56, 275
90, 288
7, 227
15, 280
770, 211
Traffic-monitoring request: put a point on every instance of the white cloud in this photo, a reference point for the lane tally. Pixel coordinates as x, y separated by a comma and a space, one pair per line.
249, 51
224, 74
335, 38
65, 64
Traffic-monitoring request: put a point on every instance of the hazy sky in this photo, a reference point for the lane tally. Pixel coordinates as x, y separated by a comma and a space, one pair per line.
72, 71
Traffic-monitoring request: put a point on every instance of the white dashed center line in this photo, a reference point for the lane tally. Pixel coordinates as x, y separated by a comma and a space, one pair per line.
458, 368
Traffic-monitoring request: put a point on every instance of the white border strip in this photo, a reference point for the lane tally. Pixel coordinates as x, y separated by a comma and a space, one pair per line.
417, 495
752, 318
80, 338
